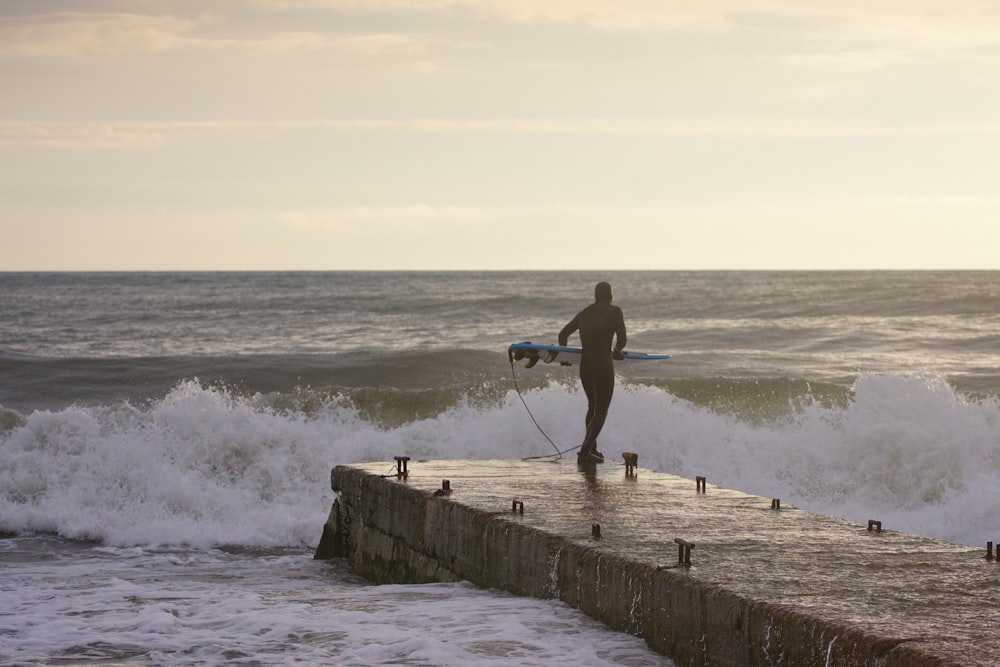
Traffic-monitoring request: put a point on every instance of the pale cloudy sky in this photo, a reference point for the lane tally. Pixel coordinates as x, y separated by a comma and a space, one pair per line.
499, 134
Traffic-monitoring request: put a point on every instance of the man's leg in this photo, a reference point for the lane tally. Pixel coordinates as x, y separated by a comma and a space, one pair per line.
589, 388
600, 389
603, 392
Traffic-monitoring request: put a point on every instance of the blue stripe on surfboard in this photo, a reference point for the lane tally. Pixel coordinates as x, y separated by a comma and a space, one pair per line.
538, 347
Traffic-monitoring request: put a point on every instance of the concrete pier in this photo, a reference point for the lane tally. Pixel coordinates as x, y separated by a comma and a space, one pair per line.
708, 576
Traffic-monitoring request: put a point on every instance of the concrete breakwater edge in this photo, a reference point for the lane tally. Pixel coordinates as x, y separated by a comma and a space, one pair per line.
706, 575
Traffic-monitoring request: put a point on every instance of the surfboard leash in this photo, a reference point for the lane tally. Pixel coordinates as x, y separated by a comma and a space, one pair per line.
558, 455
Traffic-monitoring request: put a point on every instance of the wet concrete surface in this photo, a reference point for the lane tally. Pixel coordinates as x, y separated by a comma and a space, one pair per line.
940, 598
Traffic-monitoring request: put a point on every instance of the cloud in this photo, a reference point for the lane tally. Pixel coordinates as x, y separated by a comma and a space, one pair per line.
910, 21
406, 220
65, 36
380, 43
418, 219
68, 36
60, 135
625, 16
154, 134
844, 61
849, 36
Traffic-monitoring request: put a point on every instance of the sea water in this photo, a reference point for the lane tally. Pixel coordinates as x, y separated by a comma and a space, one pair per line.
166, 440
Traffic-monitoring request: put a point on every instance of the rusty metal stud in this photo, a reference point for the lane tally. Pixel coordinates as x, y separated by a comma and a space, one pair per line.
876, 525
595, 531
631, 461
517, 507
776, 503
683, 551
700, 484
401, 466
989, 551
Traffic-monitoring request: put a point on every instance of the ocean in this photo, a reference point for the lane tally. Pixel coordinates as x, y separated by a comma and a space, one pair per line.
166, 440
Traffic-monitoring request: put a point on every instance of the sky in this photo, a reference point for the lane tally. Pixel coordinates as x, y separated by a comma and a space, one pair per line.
499, 134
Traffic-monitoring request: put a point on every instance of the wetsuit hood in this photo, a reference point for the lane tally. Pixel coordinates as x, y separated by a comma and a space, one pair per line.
602, 293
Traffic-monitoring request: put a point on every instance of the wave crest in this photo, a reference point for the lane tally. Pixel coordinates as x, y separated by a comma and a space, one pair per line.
207, 466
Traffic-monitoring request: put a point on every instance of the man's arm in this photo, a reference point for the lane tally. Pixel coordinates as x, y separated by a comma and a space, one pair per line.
621, 338
567, 330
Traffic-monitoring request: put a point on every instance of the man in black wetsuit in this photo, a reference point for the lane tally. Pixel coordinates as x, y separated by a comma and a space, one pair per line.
598, 324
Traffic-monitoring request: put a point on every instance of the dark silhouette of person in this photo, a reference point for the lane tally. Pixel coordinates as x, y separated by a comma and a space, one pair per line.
599, 325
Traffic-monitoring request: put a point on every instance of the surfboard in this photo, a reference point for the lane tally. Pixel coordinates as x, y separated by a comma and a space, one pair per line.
535, 352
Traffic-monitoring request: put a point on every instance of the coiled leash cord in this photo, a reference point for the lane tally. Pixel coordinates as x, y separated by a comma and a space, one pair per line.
558, 455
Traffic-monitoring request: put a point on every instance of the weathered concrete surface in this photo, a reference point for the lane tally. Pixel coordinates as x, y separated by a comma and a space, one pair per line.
765, 586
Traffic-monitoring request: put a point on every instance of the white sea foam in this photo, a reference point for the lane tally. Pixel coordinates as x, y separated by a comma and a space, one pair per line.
907, 451
203, 467
181, 607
